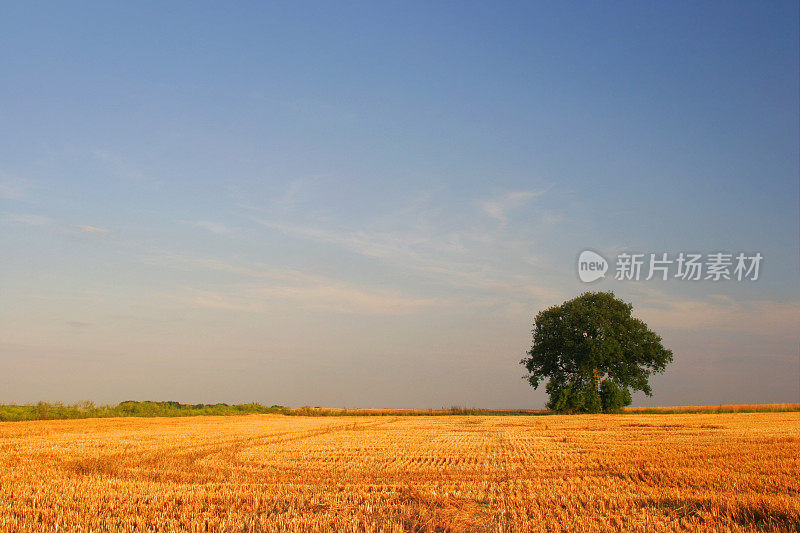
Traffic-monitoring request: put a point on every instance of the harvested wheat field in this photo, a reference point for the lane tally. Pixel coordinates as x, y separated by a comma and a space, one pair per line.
711, 472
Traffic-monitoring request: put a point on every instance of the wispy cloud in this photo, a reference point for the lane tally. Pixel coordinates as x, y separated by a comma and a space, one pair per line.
214, 227
341, 297
720, 313
452, 248
94, 229
296, 193
254, 288
498, 208
307, 291
445, 257
372, 244
28, 219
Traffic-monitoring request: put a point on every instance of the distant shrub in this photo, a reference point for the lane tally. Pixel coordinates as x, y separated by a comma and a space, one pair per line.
130, 408
458, 410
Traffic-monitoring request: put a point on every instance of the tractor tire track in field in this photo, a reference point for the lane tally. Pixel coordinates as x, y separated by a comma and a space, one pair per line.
179, 463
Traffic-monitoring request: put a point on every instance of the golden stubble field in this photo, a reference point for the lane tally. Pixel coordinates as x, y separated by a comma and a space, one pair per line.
709, 472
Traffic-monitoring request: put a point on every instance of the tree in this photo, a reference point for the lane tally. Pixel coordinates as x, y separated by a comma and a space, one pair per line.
593, 353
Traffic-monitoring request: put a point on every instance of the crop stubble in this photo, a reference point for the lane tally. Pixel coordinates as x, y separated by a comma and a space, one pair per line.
403, 473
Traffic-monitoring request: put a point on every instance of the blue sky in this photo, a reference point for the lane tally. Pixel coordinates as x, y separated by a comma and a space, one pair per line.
365, 204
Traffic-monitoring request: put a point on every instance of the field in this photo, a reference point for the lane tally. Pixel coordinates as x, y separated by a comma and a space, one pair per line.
634, 472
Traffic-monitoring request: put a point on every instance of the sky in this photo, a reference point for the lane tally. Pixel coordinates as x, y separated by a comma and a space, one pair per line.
365, 204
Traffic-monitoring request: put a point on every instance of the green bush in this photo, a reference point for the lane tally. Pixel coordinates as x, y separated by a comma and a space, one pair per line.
614, 398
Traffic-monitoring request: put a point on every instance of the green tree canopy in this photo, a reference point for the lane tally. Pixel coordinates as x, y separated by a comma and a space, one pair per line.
593, 353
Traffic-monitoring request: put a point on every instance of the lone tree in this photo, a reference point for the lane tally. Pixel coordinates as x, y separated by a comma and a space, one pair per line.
593, 352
